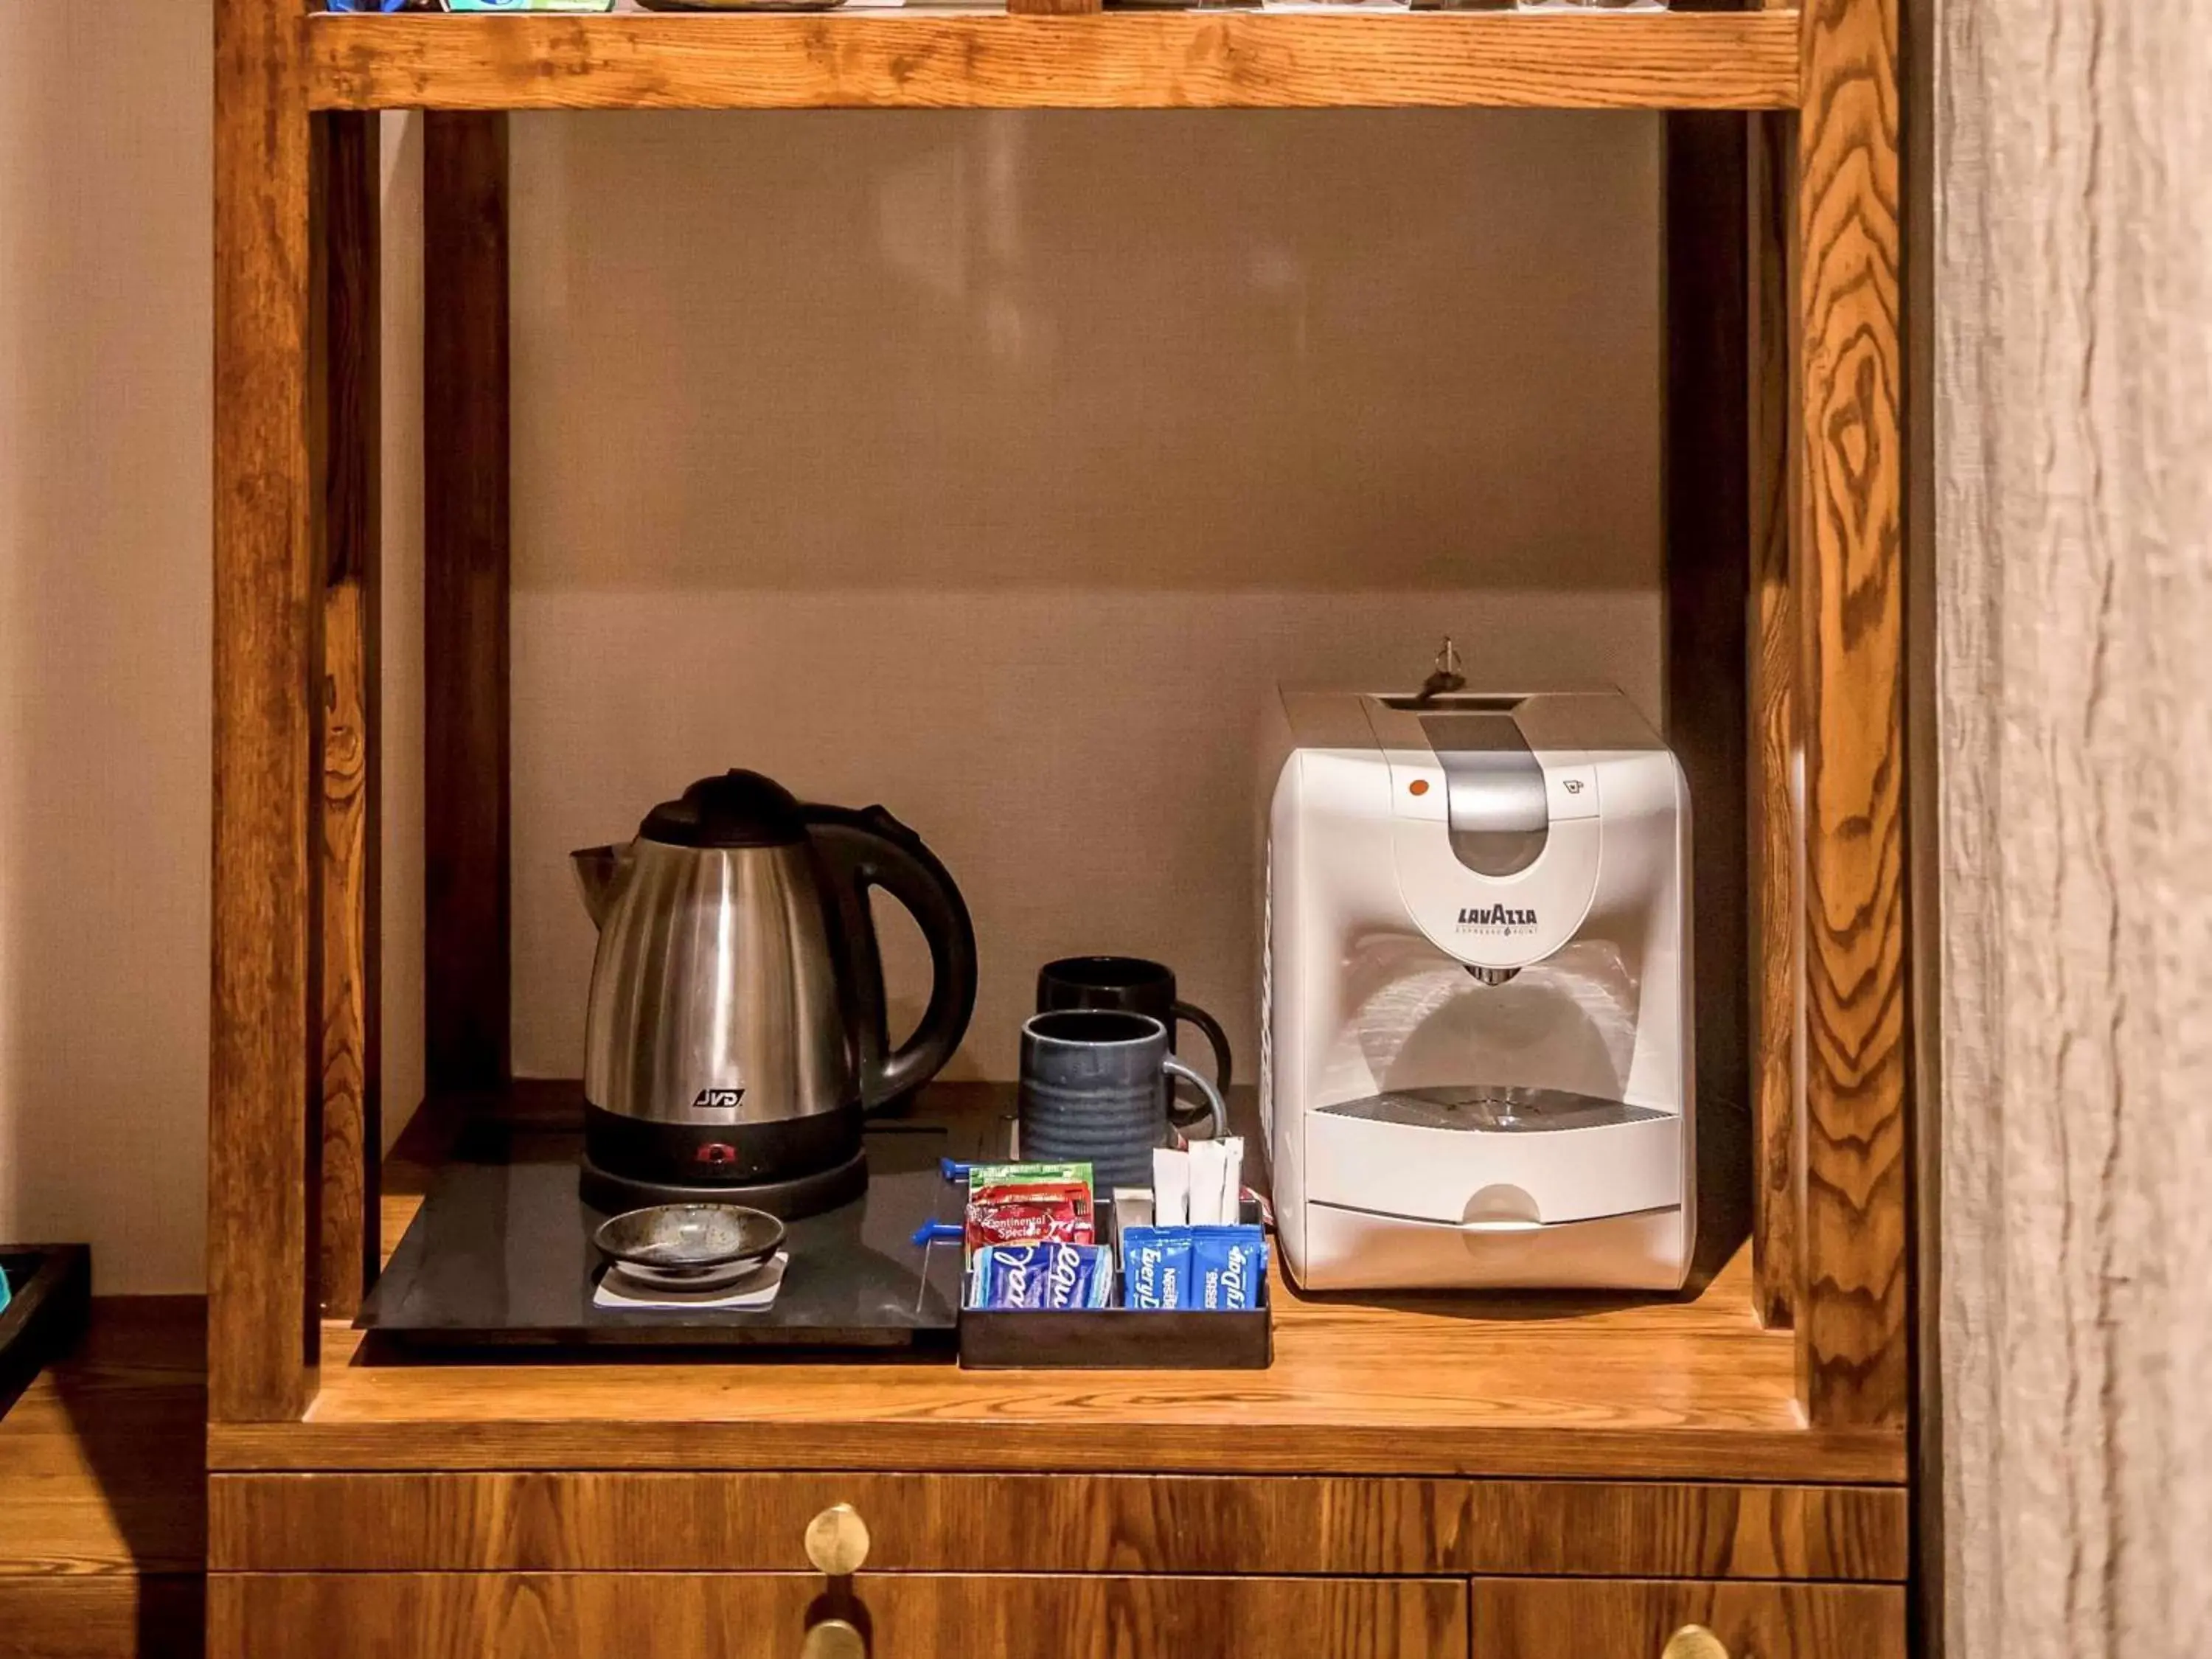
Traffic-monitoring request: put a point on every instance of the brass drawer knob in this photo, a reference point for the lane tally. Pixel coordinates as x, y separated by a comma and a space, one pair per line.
1694, 1642
837, 1543
833, 1639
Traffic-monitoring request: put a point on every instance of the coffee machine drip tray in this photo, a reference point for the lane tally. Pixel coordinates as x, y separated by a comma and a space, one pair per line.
1493, 1108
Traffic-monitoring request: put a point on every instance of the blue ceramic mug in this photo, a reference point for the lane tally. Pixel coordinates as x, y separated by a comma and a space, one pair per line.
1094, 1089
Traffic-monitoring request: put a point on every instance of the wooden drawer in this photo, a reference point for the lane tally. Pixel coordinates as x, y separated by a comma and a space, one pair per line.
766, 1616
1564, 1619
548, 1522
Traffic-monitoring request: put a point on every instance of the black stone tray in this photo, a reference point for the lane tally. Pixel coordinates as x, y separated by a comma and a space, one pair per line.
51, 1287
500, 1256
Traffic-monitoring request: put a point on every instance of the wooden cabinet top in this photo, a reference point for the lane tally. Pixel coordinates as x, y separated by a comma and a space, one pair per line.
1503, 1386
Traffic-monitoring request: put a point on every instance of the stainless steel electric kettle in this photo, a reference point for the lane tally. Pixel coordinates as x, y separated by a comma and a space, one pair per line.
735, 1033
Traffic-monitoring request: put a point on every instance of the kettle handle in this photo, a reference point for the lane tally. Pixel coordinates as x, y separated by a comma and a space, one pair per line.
872, 848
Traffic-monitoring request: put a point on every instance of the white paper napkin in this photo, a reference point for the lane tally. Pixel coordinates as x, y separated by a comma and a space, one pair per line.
749, 1294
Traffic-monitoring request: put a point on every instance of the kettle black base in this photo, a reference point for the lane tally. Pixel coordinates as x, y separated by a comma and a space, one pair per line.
789, 1167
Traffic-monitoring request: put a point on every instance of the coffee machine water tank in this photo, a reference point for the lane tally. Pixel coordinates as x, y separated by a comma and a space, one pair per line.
1476, 974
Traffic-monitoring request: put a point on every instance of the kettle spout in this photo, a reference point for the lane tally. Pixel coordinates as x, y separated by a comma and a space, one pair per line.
599, 870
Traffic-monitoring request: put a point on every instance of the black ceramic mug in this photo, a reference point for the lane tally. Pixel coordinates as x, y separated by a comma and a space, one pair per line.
1135, 986
1094, 1089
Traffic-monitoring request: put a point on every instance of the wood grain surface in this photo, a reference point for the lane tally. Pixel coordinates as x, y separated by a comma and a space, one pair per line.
1563, 1618
102, 1493
986, 60
1851, 1319
2072, 558
557, 1616
102, 1618
466, 893
599, 1521
265, 1015
348, 321
1776, 916
555, 1521
1705, 1530
1522, 1386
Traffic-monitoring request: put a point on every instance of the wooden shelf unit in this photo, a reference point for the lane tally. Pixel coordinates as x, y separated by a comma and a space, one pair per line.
932, 58
1509, 1387
1773, 1407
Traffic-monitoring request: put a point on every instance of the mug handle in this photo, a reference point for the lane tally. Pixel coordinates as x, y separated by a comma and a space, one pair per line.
1218, 1038
1174, 1069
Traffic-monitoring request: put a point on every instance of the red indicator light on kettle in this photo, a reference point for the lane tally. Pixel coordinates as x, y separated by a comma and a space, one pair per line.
1418, 787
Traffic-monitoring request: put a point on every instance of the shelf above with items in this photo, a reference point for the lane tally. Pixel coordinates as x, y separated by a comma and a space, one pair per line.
940, 58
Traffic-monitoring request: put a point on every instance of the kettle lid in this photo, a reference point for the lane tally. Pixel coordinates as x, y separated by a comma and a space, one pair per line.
737, 809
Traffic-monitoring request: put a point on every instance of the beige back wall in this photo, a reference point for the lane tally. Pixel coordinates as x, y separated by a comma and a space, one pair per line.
992, 466
989, 466
103, 586
104, 282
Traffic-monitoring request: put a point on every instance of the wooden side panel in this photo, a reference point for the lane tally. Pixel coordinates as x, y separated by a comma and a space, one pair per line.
557, 1616
1561, 1619
464, 643
2072, 310
1851, 1319
350, 321
1054, 1523
1707, 575
1776, 919
265, 1015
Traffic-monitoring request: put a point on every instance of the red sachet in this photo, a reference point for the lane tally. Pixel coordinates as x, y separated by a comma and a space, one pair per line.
1021, 1212
1025, 1222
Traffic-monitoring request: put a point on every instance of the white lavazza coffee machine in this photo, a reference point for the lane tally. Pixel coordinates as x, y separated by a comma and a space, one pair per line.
1476, 1065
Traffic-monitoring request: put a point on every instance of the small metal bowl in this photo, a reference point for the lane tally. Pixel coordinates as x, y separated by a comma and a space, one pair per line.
689, 1246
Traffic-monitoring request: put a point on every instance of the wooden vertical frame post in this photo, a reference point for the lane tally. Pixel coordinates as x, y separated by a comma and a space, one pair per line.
466, 966
1707, 571
1851, 1311
265, 1015
1775, 917
349, 320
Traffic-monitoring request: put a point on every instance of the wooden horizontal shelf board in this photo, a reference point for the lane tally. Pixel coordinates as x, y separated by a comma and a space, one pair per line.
567, 1520
1499, 1386
940, 58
